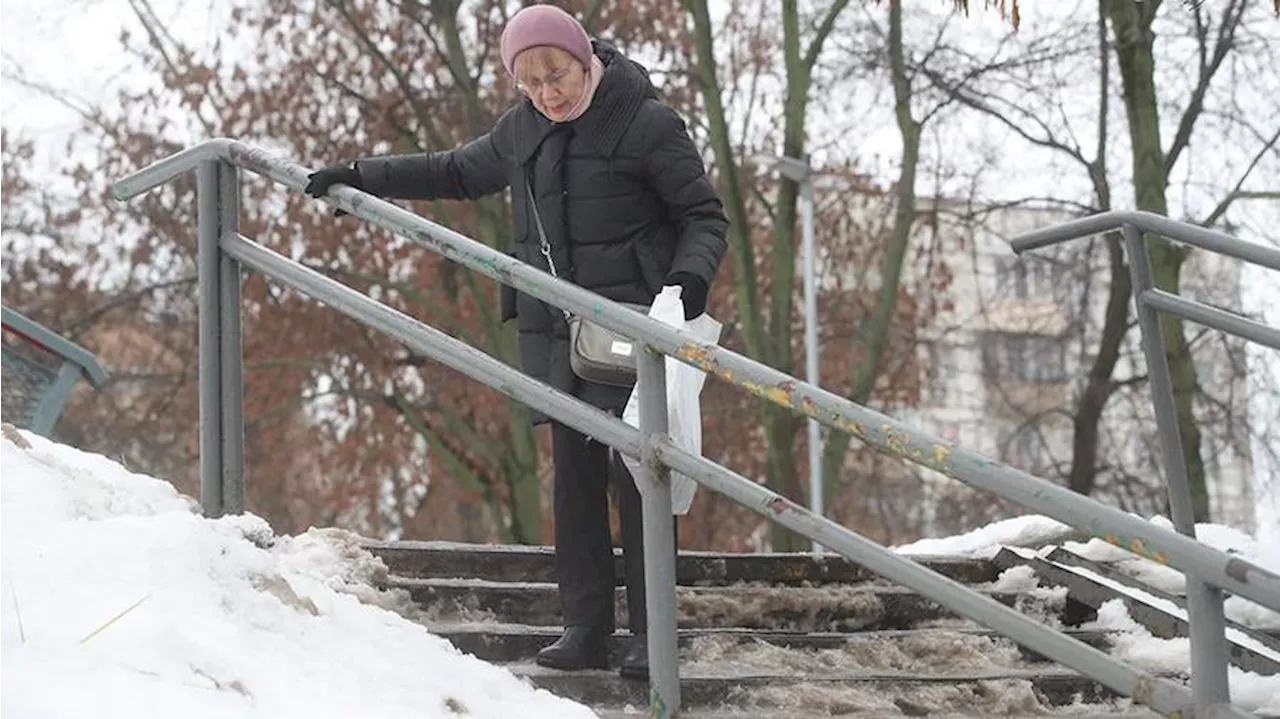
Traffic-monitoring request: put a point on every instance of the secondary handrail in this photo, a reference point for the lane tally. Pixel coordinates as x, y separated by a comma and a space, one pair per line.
1151, 223
1205, 610
43, 411
886, 434
1149, 689
41, 336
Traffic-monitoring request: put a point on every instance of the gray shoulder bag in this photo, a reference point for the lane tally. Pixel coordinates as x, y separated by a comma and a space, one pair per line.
596, 353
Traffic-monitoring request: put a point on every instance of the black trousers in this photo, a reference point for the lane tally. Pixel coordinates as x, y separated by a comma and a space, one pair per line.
584, 469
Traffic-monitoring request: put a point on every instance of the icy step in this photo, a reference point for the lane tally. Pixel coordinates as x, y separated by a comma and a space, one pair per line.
1162, 615
517, 642
847, 692
1115, 574
830, 607
537, 564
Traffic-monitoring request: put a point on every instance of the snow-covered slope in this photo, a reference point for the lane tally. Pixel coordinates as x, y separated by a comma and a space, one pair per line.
119, 600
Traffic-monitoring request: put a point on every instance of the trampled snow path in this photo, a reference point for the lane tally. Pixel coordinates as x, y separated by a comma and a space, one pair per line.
120, 601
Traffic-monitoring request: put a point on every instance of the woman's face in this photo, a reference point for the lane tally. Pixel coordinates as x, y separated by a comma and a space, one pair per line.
552, 78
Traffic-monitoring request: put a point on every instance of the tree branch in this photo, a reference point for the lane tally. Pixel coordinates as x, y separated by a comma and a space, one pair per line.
96, 313
1048, 141
420, 111
824, 30
1231, 16
1236, 193
387, 113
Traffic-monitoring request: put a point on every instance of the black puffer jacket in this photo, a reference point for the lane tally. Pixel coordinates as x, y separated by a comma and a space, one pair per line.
623, 195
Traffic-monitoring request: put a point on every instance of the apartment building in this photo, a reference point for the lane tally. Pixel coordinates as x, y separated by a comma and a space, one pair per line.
1007, 366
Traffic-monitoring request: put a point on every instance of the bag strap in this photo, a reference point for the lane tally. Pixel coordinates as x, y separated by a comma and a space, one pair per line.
543, 242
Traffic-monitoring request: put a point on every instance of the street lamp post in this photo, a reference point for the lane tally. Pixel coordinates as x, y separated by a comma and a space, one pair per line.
801, 172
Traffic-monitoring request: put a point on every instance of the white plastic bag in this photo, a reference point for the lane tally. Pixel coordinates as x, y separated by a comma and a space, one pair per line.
684, 409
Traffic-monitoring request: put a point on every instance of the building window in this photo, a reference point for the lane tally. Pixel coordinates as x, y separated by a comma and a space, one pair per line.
1023, 357
1023, 447
1036, 278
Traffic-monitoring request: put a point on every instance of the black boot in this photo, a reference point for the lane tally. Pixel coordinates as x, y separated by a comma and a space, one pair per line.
635, 662
579, 648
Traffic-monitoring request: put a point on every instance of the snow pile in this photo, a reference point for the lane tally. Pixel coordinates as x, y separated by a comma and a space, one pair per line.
1045, 534
1044, 604
119, 600
1028, 531
1265, 554
1133, 643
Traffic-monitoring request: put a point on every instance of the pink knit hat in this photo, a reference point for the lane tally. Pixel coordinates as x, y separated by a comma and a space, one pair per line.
539, 25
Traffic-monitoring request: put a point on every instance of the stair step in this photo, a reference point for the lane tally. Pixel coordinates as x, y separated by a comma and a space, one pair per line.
537, 564
1246, 649
805, 609
515, 642
869, 692
1269, 638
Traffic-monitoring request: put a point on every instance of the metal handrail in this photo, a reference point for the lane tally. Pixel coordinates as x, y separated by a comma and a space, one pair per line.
216, 160
46, 338
1151, 223
76, 362
1205, 613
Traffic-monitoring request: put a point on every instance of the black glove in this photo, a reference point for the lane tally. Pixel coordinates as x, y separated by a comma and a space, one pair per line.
693, 292
321, 180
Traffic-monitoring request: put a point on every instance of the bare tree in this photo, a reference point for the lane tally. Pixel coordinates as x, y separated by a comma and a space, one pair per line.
1035, 110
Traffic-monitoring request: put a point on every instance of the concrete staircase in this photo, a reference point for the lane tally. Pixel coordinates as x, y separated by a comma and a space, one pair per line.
771, 636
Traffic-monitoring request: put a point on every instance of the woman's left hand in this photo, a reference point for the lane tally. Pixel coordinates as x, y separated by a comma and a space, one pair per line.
693, 292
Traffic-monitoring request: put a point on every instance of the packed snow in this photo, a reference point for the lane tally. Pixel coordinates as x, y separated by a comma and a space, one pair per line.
1028, 531
1044, 534
1038, 535
1262, 552
1133, 643
120, 600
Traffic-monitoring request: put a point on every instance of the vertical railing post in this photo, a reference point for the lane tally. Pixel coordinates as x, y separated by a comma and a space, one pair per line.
659, 541
49, 406
230, 345
1204, 602
208, 219
811, 372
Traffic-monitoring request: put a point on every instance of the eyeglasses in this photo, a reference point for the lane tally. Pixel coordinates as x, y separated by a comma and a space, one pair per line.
553, 80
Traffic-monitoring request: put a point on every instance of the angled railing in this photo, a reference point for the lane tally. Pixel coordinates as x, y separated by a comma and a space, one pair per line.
1204, 600
222, 251
49, 390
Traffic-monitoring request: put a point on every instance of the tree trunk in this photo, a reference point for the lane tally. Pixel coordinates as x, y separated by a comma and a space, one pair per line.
1093, 400
520, 471
782, 425
1131, 25
1083, 474
746, 289
876, 334
524, 489
769, 342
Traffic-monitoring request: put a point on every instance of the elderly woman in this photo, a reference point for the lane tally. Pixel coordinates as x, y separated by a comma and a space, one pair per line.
610, 193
